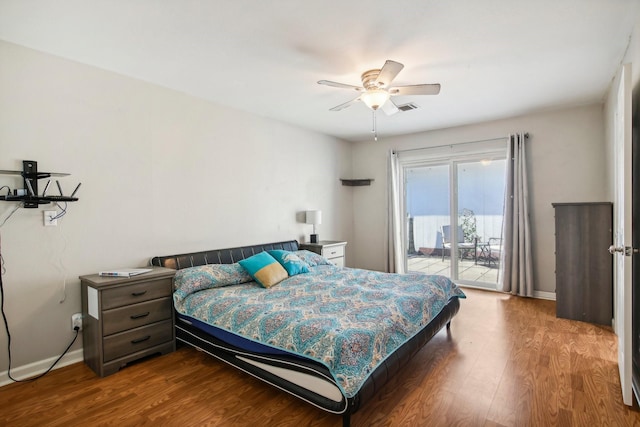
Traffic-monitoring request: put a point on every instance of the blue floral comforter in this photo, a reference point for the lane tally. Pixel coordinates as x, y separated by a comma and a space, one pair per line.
348, 319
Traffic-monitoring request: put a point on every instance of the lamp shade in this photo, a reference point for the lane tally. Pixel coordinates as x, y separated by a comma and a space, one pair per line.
314, 217
375, 98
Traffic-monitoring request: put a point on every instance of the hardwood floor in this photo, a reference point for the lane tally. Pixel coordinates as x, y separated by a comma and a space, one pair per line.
506, 362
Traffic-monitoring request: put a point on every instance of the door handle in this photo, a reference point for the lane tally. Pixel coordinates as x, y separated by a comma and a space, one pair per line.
613, 249
626, 250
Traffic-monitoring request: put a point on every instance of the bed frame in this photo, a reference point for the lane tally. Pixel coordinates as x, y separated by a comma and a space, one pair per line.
242, 360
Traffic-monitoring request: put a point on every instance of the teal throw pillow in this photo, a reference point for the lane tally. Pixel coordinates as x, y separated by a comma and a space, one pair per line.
290, 261
264, 269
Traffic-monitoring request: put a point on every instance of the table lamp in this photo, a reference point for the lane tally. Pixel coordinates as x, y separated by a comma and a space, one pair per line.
315, 218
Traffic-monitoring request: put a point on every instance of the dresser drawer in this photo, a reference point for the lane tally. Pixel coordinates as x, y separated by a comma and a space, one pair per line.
138, 339
135, 315
135, 293
333, 251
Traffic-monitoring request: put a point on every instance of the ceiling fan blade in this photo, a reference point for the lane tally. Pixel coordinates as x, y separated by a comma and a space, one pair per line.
389, 108
388, 72
345, 105
424, 89
340, 85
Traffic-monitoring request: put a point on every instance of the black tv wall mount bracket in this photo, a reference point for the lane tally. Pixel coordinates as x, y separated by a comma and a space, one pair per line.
30, 176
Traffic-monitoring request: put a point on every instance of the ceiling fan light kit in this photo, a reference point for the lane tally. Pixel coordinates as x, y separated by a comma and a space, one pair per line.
375, 98
376, 91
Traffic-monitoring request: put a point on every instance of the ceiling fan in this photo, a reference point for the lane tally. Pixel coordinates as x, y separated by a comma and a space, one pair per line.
376, 90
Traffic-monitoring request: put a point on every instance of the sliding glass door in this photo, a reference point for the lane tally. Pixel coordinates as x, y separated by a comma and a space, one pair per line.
454, 217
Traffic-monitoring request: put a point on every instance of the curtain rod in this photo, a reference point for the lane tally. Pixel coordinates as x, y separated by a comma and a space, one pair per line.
526, 135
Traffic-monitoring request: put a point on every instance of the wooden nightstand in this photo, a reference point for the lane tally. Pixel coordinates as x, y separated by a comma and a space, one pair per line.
332, 250
125, 319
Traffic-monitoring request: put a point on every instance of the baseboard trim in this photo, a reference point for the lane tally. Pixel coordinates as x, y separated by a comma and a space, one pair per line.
544, 295
536, 294
36, 368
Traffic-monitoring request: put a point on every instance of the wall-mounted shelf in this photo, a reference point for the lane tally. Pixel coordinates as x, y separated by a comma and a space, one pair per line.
31, 176
356, 182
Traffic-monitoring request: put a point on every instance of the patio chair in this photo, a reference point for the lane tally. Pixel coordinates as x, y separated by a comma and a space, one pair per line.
494, 250
463, 247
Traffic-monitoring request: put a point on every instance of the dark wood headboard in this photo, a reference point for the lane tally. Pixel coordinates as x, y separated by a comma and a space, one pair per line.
219, 256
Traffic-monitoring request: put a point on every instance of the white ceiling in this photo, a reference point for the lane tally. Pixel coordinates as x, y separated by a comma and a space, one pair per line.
493, 58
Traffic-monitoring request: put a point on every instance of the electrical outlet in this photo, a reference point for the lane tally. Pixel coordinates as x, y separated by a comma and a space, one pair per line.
50, 219
76, 321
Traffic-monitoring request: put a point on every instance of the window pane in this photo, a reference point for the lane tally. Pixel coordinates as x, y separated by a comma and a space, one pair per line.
427, 206
480, 203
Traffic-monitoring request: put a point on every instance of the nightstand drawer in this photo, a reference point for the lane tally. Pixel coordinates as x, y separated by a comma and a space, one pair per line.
133, 316
139, 292
338, 262
138, 339
333, 251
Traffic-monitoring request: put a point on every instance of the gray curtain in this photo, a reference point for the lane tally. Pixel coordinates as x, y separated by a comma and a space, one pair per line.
395, 242
516, 274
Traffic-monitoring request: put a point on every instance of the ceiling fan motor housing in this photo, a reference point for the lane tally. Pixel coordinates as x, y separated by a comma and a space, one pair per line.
369, 79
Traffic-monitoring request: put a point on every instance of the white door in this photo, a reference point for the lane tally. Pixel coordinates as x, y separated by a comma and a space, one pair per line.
622, 231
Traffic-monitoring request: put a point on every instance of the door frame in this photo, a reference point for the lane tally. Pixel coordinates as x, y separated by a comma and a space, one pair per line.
492, 152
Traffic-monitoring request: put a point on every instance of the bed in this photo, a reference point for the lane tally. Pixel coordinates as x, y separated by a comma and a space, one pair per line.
328, 335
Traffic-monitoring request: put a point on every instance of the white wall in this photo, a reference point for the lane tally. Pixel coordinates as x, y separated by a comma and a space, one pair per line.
565, 163
633, 54
161, 173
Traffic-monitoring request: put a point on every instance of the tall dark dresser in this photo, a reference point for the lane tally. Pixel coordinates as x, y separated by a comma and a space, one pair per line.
584, 267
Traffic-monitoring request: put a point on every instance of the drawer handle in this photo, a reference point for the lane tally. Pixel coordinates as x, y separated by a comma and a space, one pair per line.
138, 294
140, 316
334, 252
139, 340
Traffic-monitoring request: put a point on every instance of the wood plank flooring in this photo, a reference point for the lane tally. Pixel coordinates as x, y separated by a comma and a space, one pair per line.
505, 362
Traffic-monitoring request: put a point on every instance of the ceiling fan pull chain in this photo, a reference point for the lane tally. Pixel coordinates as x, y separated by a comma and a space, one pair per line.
373, 121
375, 126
